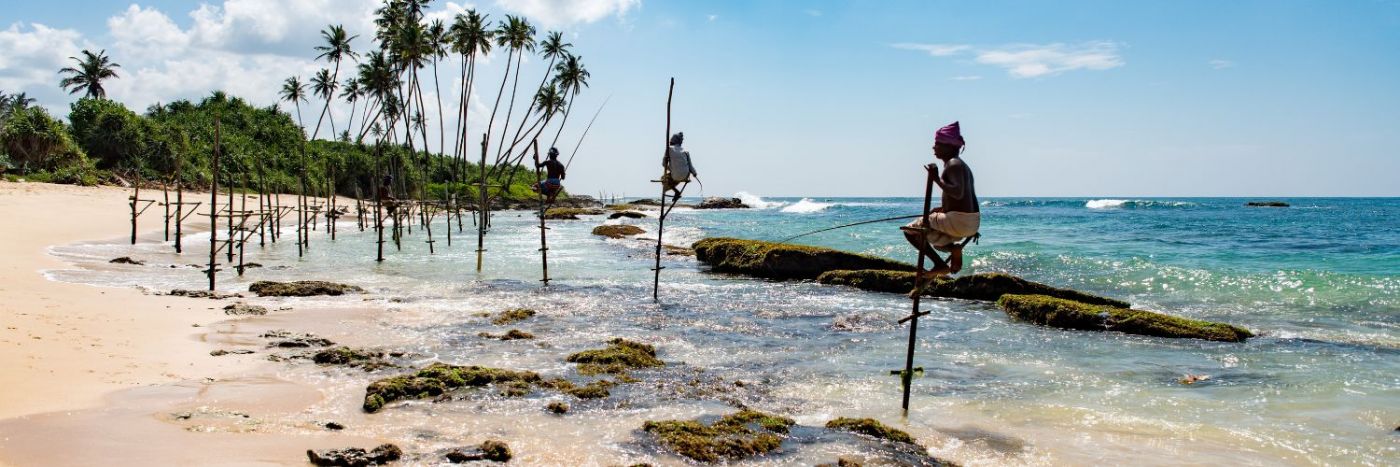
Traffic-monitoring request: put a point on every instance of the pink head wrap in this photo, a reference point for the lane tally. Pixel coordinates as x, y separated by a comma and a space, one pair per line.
950, 134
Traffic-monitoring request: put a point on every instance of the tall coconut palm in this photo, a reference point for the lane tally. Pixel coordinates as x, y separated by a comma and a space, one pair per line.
518, 35
470, 38
336, 48
551, 47
294, 91
351, 92
572, 78
88, 76
438, 43
323, 85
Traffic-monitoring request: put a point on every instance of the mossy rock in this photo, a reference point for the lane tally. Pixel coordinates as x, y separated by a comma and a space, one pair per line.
870, 427
383, 454
783, 261
557, 407
1068, 314
620, 355
985, 286
571, 213
350, 357
617, 231
438, 378
513, 334
593, 390
490, 450
737, 436
512, 316
300, 288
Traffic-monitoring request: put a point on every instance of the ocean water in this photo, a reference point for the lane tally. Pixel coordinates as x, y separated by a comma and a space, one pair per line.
1319, 282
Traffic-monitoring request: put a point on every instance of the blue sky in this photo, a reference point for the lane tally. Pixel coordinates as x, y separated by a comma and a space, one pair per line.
787, 98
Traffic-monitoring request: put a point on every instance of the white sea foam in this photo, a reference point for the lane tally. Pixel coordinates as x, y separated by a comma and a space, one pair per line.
1105, 203
806, 206
756, 202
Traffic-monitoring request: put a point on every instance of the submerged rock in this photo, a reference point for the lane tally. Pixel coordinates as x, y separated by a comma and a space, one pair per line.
617, 231
1266, 204
672, 250
571, 213
127, 260
1067, 314
243, 309
287, 340
436, 379
513, 334
201, 294
722, 203
368, 359
870, 427
620, 355
557, 407
222, 352
626, 214
593, 390
383, 454
842, 462
784, 261
985, 286
512, 316
491, 450
737, 436
300, 288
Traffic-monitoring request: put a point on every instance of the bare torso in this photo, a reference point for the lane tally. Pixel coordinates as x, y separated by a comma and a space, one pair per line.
959, 195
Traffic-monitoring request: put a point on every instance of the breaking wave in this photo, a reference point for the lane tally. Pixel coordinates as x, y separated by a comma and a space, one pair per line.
806, 206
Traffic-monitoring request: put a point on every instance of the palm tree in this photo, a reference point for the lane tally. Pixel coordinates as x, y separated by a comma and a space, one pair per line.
92, 70
336, 48
517, 34
469, 39
551, 47
351, 92
437, 48
323, 85
294, 91
572, 78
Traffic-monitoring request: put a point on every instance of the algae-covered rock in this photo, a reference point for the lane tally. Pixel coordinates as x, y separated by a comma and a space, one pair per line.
383, 454
619, 356
300, 288
722, 203
513, 334
512, 316
737, 436
557, 407
1067, 314
368, 359
870, 427
287, 339
571, 213
593, 390
436, 379
617, 231
244, 309
985, 286
783, 261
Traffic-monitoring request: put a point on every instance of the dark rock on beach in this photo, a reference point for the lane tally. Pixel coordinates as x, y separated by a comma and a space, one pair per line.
736, 436
300, 288
244, 309
1266, 204
491, 450
783, 261
617, 231
127, 260
356, 457
626, 214
511, 335
288, 340
333, 426
986, 286
722, 203
346, 356
201, 294
1068, 314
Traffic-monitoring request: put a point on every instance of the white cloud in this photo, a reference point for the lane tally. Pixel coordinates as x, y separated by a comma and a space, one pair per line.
967, 78
31, 57
937, 50
554, 13
1032, 60
147, 32
1220, 64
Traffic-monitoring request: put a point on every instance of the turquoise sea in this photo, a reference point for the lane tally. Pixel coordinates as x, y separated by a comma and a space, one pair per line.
1319, 282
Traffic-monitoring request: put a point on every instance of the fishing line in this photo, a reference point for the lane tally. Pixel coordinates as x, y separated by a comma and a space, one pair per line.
887, 219
585, 133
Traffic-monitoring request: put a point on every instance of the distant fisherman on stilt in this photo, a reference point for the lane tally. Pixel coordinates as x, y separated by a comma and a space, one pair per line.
677, 166
554, 175
959, 216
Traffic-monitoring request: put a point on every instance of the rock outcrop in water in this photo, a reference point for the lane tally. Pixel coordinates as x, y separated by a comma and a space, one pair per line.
870, 427
201, 294
617, 230
722, 203
356, 457
985, 286
490, 450
1068, 314
244, 309
620, 355
627, 214
1266, 204
366, 359
301, 288
127, 260
571, 213
438, 378
736, 436
511, 335
512, 316
783, 261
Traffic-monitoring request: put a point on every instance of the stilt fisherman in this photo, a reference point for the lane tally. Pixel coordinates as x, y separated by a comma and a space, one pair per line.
554, 175
957, 218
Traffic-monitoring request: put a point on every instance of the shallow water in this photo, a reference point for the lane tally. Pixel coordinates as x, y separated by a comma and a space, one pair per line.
1320, 283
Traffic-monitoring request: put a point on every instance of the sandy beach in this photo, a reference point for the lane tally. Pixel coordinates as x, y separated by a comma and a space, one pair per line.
91, 373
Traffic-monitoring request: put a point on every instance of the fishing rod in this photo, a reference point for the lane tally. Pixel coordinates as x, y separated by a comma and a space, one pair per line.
887, 219
585, 132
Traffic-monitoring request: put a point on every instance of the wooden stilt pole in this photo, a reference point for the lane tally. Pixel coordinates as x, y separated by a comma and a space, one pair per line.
544, 246
165, 196
214, 210
481, 209
229, 217
179, 202
907, 376
379, 202
661, 219
135, 199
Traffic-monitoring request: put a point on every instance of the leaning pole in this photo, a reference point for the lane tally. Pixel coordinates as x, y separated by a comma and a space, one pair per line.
907, 376
661, 219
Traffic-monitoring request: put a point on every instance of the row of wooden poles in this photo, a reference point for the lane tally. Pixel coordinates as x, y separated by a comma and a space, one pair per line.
267, 223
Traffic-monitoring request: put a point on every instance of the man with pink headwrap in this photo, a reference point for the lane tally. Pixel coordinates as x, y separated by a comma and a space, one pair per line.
957, 218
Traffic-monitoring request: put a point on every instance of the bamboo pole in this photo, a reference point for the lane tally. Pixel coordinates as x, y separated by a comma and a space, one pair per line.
179, 201
907, 375
661, 219
214, 209
544, 247
165, 196
135, 198
481, 209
